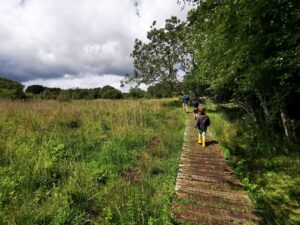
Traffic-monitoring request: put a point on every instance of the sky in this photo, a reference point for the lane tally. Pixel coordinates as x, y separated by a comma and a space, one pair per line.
82, 43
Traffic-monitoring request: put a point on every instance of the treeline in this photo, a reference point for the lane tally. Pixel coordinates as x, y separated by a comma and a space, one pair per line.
15, 91
107, 92
246, 52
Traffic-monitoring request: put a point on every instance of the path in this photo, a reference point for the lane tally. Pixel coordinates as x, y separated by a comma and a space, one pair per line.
207, 191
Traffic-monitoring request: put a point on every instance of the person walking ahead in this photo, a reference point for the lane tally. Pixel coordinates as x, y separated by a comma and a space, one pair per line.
201, 123
185, 101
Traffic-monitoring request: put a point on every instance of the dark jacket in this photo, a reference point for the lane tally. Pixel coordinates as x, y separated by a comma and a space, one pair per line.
195, 104
185, 99
202, 122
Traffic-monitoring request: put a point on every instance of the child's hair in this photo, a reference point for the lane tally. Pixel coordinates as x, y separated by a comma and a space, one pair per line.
202, 111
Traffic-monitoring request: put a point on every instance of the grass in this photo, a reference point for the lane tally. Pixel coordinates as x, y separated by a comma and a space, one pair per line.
268, 167
88, 162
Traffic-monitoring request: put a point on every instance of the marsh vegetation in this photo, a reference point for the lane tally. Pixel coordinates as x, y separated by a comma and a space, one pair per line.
88, 162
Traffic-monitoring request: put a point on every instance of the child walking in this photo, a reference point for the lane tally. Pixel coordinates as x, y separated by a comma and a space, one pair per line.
201, 123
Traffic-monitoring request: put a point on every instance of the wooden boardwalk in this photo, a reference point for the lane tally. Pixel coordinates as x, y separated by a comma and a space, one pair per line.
207, 190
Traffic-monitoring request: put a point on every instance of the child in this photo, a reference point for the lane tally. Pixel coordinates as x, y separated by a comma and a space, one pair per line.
196, 105
201, 123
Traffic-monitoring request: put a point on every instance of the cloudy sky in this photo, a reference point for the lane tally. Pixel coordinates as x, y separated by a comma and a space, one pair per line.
82, 43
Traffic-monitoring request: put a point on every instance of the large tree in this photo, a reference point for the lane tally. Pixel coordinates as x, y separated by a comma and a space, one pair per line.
160, 59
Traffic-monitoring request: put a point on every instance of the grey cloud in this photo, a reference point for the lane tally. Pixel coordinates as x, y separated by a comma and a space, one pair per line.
42, 39
22, 2
137, 10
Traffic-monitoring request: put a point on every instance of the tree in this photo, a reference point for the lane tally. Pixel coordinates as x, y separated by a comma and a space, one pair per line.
50, 93
10, 89
163, 90
35, 89
159, 60
106, 88
136, 93
9, 84
97, 92
111, 93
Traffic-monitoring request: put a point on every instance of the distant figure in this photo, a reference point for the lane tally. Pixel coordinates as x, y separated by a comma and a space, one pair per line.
201, 123
185, 101
196, 105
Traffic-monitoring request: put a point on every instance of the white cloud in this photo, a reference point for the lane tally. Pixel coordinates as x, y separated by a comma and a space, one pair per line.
42, 40
83, 81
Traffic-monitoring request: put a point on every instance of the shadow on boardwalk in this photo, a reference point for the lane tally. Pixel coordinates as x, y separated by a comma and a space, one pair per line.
207, 190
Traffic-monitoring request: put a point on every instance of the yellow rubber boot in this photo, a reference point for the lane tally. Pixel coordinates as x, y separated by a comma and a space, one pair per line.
203, 141
199, 139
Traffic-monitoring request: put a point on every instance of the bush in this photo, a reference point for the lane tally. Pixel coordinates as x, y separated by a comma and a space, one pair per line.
35, 89
112, 94
136, 93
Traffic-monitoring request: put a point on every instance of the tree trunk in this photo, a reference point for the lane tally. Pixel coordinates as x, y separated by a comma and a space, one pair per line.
263, 105
285, 124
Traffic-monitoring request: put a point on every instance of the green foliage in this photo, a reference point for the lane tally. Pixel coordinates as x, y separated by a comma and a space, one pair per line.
267, 166
159, 60
11, 89
111, 94
107, 87
247, 52
107, 92
64, 96
136, 93
35, 89
164, 90
9, 84
50, 93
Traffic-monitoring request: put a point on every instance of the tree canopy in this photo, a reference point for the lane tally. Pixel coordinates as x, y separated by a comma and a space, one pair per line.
248, 52
160, 59
10, 89
35, 89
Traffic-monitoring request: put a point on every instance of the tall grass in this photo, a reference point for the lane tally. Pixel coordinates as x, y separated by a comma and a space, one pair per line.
88, 162
268, 167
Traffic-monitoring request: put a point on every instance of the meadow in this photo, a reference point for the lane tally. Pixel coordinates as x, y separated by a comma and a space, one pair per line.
89, 161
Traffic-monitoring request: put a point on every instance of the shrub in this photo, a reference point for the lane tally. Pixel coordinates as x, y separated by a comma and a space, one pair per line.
112, 94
